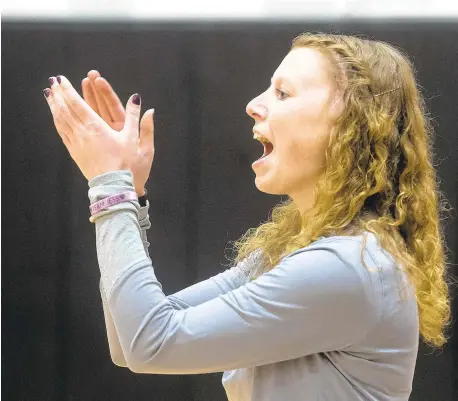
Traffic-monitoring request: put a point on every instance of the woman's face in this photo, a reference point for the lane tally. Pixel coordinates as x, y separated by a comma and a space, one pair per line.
296, 115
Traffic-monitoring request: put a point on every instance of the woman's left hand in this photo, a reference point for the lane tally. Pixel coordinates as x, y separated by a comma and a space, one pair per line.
92, 143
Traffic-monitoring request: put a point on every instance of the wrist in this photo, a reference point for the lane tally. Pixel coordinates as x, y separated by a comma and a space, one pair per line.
142, 198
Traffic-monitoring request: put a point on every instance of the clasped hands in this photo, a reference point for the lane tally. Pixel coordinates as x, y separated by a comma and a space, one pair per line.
98, 133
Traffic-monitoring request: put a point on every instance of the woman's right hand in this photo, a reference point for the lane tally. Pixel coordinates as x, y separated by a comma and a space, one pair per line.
99, 94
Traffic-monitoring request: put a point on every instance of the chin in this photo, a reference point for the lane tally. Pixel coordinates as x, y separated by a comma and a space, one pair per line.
268, 187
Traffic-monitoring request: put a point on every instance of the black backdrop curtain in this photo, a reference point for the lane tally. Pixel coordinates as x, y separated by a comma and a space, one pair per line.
199, 77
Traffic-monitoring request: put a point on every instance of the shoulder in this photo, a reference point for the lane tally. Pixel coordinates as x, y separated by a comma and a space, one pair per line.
343, 265
356, 253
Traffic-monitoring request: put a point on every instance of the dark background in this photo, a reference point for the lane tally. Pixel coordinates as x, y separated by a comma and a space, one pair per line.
199, 77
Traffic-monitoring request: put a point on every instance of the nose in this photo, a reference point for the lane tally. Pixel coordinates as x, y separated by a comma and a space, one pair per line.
256, 109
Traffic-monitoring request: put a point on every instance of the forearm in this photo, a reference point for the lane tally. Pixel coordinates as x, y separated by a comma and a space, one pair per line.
116, 353
115, 349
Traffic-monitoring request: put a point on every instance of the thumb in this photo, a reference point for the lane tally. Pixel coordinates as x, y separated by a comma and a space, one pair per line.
146, 140
132, 115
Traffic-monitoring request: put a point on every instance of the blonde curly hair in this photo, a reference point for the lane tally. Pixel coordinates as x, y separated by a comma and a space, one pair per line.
379, 176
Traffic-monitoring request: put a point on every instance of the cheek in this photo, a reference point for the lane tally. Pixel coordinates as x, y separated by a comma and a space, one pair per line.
303, 155
301, 131
299, 118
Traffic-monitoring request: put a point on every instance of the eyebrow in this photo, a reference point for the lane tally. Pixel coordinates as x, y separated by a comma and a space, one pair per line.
280, 78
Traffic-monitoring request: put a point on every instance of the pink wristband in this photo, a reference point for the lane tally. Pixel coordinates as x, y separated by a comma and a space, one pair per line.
112, 200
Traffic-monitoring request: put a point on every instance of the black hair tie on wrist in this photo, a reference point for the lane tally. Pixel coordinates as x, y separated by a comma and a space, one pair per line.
142, 199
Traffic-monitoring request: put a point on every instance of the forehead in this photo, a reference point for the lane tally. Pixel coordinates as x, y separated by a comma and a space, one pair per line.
304, 66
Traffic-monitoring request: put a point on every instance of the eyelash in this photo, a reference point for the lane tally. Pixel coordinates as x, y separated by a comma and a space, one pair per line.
281, 92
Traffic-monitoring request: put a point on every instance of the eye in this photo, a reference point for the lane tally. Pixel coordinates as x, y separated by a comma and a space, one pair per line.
283, 94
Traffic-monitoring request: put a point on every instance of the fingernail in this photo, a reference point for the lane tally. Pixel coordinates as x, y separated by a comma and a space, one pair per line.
51, 81
59, 79
47, 92
136, 99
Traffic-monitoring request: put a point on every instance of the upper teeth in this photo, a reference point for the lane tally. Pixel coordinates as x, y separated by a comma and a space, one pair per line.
260, 138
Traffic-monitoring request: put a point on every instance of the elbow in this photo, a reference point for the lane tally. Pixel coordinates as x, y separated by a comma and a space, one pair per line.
148, 348
119, 362
132, 358
142, 359
136, 366
137, 369
118, 359
165, 358
132, 363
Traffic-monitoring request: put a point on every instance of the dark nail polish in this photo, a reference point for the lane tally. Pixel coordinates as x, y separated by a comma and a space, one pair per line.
46, 92
51, 81
136, 99
59, 79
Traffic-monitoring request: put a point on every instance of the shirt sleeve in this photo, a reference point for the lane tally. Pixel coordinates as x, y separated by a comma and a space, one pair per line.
114, 346
191, 296
311, 302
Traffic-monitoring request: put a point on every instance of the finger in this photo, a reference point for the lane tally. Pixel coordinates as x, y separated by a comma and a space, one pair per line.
74, 101
102, 108
112, 101
62, 110
59, 96
62, 127
146, 141
93, 74
88, 94
132, 116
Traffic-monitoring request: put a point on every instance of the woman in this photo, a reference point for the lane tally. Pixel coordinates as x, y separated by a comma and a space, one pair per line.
326, 300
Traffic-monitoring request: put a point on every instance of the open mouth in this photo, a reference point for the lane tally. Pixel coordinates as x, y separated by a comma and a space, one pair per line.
268, 147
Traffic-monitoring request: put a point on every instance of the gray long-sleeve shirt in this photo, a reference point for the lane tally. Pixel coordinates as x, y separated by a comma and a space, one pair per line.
319, 326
